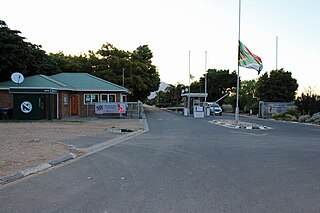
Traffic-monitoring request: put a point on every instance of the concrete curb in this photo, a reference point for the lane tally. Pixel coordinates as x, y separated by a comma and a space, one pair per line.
93, 149
62, 159
33, 170
232, 125
11, 178
104, 145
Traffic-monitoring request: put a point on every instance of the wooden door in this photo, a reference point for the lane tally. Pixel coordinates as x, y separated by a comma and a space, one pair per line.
74, 104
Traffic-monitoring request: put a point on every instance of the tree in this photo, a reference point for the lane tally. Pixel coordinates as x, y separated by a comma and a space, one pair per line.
140, 75
170, 97
247, 100
219, 82
308, 103
69, 63
173, 94
16, 55
278, 86
149, 79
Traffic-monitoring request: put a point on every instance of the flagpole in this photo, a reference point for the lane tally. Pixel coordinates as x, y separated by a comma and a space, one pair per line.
237, 101
277, 53
189, 89
205, 84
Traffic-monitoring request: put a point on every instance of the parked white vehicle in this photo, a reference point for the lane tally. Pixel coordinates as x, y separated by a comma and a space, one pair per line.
215, 108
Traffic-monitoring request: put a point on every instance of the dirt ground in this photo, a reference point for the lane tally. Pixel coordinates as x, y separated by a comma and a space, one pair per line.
28, 144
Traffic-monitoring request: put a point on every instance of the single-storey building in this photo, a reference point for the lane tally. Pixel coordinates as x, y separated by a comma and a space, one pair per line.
57, 96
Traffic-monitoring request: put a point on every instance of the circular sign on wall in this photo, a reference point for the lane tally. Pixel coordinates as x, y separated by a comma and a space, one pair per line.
26, 107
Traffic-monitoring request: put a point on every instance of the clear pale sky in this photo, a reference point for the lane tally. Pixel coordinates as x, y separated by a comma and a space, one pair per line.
172, 28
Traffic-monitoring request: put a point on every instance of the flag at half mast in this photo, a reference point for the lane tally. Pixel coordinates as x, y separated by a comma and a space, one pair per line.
249, 60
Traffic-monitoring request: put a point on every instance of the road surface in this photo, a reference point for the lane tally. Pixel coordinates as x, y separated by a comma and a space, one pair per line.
184, 164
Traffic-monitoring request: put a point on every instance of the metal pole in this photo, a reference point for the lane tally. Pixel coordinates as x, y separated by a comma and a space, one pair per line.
123, 77
189, 89
138, 109
237, 102
277, 53
205, 85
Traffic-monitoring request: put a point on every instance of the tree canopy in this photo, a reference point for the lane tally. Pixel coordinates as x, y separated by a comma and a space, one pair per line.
140, 75
219, 82
308, 103
247, 99
16, 55
278, 86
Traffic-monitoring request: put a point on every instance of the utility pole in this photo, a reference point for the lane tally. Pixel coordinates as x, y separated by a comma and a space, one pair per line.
123, 77
189, 111
277, 53
205, 85
237, 101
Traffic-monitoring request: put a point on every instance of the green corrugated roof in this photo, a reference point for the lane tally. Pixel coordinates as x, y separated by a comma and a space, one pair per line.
66, 81
36, 81
85, 81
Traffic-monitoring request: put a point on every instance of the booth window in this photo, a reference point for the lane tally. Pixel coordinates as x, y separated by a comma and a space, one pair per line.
91, 98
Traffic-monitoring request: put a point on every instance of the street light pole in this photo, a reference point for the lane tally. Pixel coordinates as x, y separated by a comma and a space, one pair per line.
205, 85
237, 99
189, 89
277, 53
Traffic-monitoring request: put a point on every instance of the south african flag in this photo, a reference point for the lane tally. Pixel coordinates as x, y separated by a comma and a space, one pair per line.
249, 60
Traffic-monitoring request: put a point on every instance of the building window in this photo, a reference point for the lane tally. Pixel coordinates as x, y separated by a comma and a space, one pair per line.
112, 98
91, 98
65, 99
123, 98
104, 98
94, 98
108, 98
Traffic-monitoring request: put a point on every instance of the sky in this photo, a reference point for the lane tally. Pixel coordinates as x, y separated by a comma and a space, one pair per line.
173, 28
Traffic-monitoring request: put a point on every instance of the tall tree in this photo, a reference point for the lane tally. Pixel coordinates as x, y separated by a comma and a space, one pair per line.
73, 63
16, 55
149, 79
171, 96
308, 103
278, 86
219, 82
140, 75
247, 100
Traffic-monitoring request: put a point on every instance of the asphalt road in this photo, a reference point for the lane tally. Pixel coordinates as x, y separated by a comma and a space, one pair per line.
184, 165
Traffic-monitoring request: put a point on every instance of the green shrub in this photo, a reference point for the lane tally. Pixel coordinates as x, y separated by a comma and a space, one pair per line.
293, 111
288, 117
304, 118
277, 116
315, 116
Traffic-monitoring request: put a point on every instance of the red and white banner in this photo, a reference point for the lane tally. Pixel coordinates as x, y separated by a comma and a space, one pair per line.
105, 108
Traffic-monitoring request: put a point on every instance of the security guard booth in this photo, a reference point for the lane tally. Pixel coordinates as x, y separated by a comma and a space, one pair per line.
196, 101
